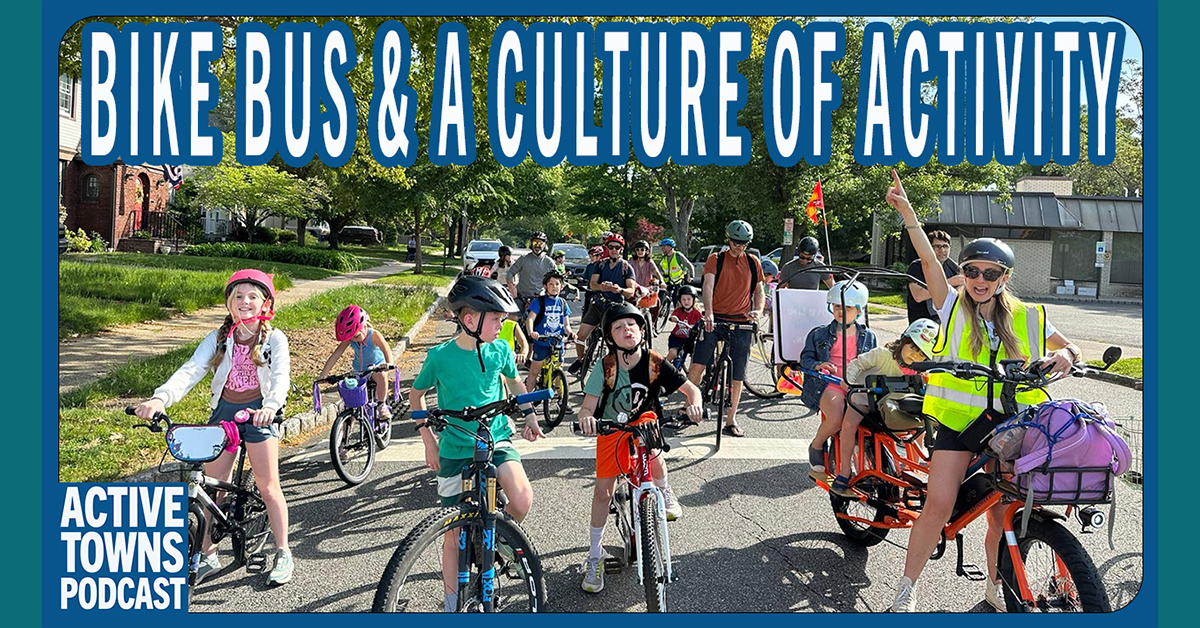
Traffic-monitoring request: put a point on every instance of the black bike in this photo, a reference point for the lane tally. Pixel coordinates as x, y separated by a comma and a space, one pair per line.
496, 568
718, 375
234, 509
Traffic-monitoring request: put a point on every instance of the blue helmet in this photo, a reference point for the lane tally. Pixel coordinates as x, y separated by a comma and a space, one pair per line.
667, 242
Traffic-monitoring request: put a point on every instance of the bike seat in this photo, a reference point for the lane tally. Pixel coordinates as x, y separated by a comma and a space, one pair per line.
902, 412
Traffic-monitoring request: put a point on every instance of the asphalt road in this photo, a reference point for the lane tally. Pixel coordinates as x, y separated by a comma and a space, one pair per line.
756, 536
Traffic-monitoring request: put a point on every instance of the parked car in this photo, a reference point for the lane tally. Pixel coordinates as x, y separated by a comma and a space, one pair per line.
576, 259
359, 234
320, 232
62, 238
479, 250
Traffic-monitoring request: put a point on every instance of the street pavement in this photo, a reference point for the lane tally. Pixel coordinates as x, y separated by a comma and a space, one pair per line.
756, 536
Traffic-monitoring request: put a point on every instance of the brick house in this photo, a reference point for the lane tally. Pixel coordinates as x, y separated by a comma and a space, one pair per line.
1052, 232
116, 200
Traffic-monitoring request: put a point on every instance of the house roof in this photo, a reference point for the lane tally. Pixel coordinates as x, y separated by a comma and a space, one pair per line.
1040, 210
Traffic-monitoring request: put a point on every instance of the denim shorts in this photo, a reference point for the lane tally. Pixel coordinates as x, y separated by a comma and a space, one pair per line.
739, 348
251, 434
540, 351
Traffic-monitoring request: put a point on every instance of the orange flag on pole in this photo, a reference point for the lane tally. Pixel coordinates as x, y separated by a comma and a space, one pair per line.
816, 203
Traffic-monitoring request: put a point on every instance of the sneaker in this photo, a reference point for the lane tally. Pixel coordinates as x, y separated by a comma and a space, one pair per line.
385, 411
574, 368
816, 466
994, 596
208, 564
282, 573
593, 574
674, 510
906, 596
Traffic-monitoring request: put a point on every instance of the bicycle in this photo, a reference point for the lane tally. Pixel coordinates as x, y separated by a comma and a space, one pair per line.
718, 375
358, 430
594, 351
241, 514
489, 543
762, 371
640, 511
553, 377
667, 299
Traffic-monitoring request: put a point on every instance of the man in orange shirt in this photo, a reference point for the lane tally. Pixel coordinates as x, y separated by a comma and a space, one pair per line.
733, 293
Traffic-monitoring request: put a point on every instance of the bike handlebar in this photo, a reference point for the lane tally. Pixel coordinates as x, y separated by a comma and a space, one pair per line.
487, 411
605, 427
333, 379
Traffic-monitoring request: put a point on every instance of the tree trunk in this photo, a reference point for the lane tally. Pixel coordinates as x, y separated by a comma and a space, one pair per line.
679, 211
301, 230
417, 237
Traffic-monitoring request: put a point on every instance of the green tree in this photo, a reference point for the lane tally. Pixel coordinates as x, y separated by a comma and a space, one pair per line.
250, 194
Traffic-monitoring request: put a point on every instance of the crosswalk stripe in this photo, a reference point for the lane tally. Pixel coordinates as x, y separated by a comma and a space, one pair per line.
584, 448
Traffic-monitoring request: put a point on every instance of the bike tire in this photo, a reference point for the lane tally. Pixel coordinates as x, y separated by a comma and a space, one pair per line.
195, 533
350, 432
390, 594
722, 394
861, 534
666, 307
654, 562
1085, 581
255, 521
761, 371
555, 408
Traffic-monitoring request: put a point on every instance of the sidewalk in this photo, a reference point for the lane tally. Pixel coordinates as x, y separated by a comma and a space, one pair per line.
83, 360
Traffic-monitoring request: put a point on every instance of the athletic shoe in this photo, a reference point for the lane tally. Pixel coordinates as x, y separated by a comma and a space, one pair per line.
674, 510
994, 596
906, 596
593, 574
282, 573
208, 564
574, 368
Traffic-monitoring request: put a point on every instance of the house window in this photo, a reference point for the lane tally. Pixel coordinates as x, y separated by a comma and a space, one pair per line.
1126, 258
66, 95
1074, 255
91, 188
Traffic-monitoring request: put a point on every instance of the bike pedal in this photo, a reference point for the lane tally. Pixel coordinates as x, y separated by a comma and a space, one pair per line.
972, 572
257, 563
612, 564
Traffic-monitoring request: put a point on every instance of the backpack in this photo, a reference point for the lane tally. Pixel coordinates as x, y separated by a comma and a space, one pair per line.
1051, 443
754, 272
643, 375
541, 315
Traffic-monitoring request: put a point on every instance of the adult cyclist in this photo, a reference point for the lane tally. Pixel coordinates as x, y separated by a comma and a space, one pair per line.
676, 269
528, 271
611, 282
791, 275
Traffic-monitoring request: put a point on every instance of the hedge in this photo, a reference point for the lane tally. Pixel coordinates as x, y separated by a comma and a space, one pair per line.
288, 254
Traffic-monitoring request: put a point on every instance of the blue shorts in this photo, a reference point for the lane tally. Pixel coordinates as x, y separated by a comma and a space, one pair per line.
739, 348
540, 351
251, 434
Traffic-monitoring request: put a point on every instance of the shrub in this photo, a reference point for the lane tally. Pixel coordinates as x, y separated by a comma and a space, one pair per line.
141, 235
285, 236
79, 242
288, 254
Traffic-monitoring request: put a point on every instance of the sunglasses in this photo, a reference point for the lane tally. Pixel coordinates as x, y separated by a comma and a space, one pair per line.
990, 275
805, 258
615, 247
739, 243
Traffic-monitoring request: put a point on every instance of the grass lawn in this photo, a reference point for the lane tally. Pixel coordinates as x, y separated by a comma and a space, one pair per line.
1131, 367
894, 299
432, 276
96, 440
226, 265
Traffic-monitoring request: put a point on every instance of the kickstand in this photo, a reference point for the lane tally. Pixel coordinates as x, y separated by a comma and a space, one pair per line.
967, 570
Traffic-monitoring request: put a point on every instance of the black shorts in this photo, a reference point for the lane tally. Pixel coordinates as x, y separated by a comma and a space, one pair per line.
675, 342
739, 348
595, 311
947, 440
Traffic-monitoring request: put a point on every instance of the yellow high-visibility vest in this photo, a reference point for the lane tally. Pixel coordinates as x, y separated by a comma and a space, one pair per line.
955, 402
671, 268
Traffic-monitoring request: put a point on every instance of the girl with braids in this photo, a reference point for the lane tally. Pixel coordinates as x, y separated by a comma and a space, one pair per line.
249, 361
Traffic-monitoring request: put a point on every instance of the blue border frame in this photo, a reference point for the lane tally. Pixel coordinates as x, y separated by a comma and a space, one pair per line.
1142, 17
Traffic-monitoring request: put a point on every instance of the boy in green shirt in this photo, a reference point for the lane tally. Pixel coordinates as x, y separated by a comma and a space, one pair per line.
480, 305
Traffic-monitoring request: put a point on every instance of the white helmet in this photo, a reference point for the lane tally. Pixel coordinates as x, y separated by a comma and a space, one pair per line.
850, 294
923, 332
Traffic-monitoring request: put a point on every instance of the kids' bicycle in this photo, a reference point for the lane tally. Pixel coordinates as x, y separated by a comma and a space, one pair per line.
359, 430
496, 568
216, 507
553, 377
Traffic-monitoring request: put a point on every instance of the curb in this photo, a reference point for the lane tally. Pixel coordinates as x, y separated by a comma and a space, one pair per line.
1114, 378
304, 421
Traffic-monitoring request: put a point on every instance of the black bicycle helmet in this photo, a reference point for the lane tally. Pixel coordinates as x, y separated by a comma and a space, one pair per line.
538, 235
504, 250
809, 246
554, 274
481, 294
691, 291
616, 313
988, 250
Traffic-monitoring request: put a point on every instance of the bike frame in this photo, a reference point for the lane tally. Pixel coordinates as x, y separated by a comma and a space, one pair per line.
368, 411
479, 479
639, 481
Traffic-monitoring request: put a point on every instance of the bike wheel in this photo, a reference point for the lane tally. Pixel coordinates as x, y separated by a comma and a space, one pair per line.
761, 370
413, 582
1059, 571
722, 396
654, 560
251, 512
555, 408
195, 532
351, 447
664, 311
860, 533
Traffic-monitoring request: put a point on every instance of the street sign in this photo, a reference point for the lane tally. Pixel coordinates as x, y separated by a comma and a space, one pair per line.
1101, 254
788, 224
787, 238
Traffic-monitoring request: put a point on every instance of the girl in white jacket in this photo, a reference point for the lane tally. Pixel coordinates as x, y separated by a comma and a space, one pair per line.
250, 363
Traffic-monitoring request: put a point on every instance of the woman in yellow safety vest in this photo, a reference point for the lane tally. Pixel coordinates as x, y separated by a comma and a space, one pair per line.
981, 321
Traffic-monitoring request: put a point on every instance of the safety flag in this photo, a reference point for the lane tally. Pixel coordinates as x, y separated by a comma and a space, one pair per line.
816, 203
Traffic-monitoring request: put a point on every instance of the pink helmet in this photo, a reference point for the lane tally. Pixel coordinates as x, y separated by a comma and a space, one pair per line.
349, 322
264, 283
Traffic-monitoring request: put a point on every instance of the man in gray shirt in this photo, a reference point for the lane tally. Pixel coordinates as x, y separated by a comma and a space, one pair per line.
790, 276
528, 271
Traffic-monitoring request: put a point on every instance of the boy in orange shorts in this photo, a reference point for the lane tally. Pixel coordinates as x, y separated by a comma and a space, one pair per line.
630, 381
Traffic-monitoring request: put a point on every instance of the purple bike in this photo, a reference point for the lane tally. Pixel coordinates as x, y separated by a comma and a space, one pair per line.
359, 430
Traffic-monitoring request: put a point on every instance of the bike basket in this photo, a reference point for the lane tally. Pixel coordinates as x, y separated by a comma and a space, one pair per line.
355, 397
196, 443
1067, 486
649, 301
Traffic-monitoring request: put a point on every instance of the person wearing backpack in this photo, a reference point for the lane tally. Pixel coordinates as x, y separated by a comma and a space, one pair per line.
982, 322
732, 293
549, 315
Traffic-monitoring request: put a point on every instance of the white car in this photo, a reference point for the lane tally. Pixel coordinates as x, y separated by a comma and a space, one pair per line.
481, 250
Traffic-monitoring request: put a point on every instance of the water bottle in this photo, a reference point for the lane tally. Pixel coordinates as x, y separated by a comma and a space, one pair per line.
350, 382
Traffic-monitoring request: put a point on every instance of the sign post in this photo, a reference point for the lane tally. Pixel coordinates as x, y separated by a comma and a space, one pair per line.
788, 227
1101, 255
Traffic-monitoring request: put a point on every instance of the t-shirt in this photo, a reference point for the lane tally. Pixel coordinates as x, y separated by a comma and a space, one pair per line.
925, 309
943, 314
837, 356
616, 274
643, 271
554, 321
528, 271
731, 297
689, 318
454, 371
624, 397
790, 274
242, 385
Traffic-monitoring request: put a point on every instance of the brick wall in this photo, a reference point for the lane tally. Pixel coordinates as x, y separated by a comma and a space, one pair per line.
112, 220
1032, 275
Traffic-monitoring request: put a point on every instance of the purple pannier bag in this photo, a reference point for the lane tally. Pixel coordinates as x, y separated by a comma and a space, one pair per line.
1061, 438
